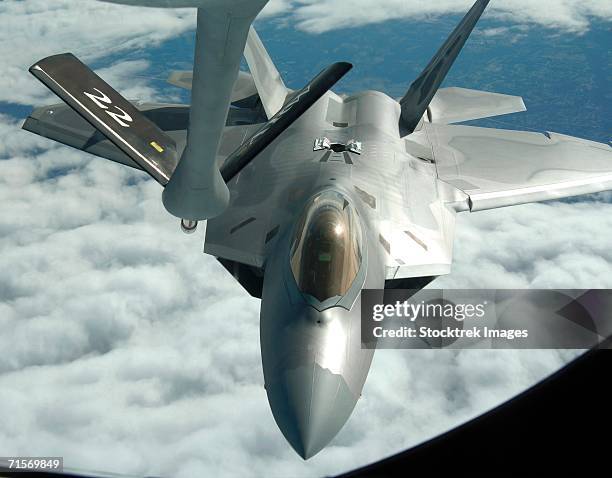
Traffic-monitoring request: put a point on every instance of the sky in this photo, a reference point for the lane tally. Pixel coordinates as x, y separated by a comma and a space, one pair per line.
126, 349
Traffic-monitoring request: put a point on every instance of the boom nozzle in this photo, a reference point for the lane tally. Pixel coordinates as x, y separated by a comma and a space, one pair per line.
188, 226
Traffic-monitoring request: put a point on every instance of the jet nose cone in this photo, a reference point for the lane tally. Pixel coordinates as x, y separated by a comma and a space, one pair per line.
310, 405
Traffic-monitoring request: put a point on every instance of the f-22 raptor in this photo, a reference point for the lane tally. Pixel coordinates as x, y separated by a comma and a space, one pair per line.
311, 196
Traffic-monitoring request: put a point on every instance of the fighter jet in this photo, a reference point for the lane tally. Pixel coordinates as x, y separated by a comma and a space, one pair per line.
311, 196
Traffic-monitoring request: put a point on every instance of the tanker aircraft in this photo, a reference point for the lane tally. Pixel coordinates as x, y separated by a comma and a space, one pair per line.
311, 196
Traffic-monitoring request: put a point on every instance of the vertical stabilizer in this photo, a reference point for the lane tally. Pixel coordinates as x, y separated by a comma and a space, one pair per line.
419, 95
270, 86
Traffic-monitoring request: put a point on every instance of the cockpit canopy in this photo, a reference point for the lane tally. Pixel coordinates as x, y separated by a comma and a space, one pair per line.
326, 252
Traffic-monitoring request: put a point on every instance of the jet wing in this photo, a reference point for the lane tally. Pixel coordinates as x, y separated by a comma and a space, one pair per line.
497, 168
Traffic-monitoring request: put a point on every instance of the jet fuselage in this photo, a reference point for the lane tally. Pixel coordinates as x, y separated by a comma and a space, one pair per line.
331, 208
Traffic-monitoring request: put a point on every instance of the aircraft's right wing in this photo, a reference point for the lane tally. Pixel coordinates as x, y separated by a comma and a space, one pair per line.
497, 168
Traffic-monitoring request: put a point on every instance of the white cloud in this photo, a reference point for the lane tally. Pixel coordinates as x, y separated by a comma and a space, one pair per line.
118, 349
568, 15
556, 245
35, 29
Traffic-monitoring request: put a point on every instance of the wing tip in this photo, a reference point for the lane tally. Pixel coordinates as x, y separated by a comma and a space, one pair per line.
37, 66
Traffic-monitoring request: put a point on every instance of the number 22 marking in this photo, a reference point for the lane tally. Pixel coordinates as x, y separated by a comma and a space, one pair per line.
102, 100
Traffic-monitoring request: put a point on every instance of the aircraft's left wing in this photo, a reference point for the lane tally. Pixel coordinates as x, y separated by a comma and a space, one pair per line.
497, 168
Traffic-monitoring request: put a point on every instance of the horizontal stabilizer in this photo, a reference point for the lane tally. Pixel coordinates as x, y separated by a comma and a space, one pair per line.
181, 79
454, 105
243, 88
111, 114
296, 105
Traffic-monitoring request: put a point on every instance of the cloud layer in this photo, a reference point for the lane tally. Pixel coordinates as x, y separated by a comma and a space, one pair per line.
122, 340
126, 349
569, 15
35, 29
